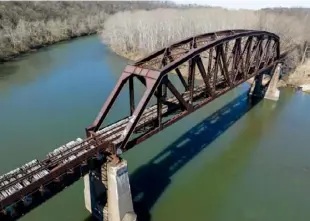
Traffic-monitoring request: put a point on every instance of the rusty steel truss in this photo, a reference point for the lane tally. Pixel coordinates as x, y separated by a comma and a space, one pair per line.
207, 66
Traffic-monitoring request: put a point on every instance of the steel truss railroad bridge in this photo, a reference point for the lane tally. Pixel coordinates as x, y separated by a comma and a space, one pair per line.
207, 66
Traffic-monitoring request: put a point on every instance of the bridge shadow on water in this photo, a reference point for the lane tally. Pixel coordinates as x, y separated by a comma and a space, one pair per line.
152, 179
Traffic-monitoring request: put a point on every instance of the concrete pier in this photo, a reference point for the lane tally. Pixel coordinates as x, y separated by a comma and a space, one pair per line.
88, 195
119, 194
95, 195
273, 93
257, 86
107, 193
260, 82
252, 87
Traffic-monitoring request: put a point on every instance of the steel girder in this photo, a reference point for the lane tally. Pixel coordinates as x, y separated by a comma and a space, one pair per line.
207, 66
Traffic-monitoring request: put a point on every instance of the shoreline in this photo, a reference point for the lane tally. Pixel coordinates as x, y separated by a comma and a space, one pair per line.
20, 55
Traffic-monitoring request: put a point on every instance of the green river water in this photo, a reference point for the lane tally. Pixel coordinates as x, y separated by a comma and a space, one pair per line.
226, 162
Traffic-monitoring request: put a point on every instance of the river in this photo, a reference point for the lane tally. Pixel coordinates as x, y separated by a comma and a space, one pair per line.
226, 162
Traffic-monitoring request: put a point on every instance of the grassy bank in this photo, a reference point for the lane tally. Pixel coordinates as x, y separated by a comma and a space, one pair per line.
25, 26
135, 34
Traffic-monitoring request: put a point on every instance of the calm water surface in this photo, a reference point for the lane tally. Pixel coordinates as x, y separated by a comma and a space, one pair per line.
227, 162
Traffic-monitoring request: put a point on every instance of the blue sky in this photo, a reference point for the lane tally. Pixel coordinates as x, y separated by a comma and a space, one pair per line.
250, 4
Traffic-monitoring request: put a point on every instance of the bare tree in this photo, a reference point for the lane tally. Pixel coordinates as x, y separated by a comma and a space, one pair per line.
28, 25
145, 31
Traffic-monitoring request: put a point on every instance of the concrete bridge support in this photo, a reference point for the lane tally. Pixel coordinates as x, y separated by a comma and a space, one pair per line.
273, 93
258, 87
95, 195
107, 193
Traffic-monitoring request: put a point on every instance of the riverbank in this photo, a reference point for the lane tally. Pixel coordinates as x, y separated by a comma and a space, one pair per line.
27, 36
28, 26
300, 77
35, 49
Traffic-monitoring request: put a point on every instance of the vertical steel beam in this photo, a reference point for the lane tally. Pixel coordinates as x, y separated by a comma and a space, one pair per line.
235, 60
131, 95
278, 49
216, 68
248, 55
210, 61
164, 89
191, 78
225, 47
159, 105
191, 72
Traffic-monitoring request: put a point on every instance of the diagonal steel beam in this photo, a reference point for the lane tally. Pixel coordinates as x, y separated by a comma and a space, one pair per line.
204, 76
109, 102
177, 70
175, 92
151, 87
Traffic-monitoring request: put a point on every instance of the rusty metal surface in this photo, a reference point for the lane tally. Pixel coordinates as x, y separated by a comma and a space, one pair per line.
160, 59
220, 61
58, 169
207, 66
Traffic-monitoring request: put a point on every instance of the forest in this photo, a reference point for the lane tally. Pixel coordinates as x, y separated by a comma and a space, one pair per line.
30, 25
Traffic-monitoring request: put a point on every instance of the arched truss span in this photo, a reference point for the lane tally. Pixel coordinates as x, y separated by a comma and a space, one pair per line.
207, 66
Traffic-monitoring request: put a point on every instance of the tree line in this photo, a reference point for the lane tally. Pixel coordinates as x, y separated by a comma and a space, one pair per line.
28, 25
136, 34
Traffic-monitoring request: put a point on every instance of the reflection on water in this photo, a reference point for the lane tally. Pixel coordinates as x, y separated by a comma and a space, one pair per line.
232, 160
164, 165
26, 70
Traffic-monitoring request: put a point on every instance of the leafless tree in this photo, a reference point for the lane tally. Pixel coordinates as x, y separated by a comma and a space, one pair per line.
28, 25
135, 34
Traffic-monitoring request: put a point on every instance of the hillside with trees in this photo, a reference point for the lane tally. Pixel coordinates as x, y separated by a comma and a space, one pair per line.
303, 14
29, 25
